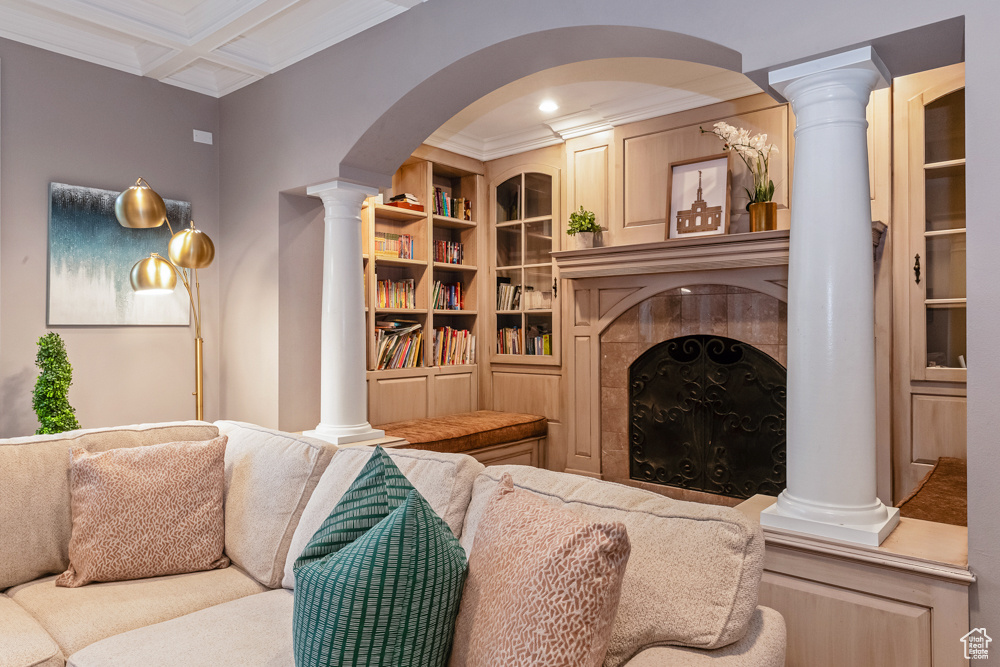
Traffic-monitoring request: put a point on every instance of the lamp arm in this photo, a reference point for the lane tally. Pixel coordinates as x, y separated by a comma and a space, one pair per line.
195, 308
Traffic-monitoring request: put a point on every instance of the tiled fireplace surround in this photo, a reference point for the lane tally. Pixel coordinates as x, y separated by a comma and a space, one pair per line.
624, 300
722, 310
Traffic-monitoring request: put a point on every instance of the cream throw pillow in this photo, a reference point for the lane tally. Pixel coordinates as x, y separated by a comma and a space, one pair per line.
146, 512
543, 586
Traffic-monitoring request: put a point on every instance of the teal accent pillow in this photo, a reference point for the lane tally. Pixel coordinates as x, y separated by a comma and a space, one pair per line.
380, 582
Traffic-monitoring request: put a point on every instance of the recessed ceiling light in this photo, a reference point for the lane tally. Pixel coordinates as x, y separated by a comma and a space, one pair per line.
548, 106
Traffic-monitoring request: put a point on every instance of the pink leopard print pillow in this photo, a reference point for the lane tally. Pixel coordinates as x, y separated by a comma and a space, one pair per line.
146, 512
543, 586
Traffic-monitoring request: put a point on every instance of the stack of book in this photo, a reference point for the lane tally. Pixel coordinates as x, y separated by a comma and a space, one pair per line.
454, 346
396, 294
447, 296
406, 200
508, 296
449, 252
397, 345
537, 299
393, 245
538, 339
509, 341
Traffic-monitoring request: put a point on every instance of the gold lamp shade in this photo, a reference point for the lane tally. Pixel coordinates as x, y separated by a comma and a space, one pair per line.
191, 249
153, 274
140, 207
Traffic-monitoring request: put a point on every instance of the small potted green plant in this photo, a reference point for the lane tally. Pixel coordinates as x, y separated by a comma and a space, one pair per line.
50, 399
582, 227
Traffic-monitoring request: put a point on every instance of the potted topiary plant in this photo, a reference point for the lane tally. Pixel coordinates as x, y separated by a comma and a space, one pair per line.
582, 227
50, 399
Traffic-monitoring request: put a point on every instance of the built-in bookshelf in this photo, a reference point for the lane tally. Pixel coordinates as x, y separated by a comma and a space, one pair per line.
525, 318
421, 287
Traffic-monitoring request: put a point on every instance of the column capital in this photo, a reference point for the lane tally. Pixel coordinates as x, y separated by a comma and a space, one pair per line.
341, 190
864, 58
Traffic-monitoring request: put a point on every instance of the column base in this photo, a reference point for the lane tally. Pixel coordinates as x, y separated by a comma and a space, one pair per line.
868, 534
342, 435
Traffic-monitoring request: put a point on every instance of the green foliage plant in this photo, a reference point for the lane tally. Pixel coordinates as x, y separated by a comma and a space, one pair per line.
50, 399
582, 221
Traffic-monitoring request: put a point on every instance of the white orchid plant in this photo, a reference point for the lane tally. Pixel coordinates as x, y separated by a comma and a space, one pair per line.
755, 153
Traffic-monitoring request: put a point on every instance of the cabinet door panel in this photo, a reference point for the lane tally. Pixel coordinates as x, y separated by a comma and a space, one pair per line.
818, 618
397, 399
938, 427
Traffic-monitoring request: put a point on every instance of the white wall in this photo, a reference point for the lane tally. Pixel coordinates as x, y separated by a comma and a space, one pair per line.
358, 108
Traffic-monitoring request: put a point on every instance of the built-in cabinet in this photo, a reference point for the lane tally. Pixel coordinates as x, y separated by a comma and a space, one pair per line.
929, 272
422, 267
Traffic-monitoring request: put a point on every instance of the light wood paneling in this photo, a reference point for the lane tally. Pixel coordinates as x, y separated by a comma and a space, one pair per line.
584, 434
583, 310
590, 182
454, 392
608, 298
648, 154
396, 399
938, 427
520, 453
819, 619
530, 393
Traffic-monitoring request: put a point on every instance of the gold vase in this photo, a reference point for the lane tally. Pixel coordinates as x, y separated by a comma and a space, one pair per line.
763, 216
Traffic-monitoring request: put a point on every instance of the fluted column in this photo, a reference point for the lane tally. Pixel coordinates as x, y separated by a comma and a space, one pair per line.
831, 483
343, 387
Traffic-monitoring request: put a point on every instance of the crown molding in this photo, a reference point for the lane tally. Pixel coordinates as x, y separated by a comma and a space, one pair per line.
597, 118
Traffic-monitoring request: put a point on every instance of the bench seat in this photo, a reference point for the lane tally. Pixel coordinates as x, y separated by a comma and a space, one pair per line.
468, 432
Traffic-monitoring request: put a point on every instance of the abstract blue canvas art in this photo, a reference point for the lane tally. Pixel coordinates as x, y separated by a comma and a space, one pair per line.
91, 255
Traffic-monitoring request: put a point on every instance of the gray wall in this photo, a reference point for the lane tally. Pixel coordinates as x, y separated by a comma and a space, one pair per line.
358, 108
73, 122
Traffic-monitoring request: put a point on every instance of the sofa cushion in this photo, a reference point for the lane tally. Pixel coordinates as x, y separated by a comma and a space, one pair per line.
543, 585
467, 431
380, 582
34, 485
270, 476
694, 570
23, 642
762, 646
254, 631
76, 617
444, 480
146, 511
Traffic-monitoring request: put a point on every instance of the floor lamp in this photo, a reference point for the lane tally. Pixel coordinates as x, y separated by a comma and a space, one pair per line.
140, 207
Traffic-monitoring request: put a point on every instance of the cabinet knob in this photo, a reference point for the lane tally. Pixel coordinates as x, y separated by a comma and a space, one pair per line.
916, 268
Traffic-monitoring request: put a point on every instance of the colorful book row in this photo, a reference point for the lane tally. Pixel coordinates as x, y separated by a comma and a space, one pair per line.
460, 207
453, 347
449, 252
396, 294
396, 349
393, 245
448, 296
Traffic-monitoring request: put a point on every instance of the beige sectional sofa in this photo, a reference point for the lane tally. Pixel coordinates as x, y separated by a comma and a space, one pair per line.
689, 596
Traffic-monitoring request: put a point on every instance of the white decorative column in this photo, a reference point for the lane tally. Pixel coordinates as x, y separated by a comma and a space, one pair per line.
831, 488
343, 385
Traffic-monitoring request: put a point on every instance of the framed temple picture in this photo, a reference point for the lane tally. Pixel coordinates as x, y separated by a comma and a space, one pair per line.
698, 197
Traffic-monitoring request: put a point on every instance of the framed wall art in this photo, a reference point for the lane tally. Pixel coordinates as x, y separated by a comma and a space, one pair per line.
91, 256
698, 197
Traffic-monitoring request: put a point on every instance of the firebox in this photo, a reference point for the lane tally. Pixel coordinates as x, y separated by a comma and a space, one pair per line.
707, 413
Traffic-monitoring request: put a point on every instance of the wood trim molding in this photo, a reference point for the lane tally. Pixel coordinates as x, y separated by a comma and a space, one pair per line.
732, 251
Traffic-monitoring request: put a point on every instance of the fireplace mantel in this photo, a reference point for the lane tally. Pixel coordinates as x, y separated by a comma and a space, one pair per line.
706, 253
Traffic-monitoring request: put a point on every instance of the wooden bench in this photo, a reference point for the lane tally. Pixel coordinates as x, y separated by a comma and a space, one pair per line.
493, 438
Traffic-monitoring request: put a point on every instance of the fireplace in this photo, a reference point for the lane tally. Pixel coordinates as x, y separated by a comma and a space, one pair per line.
707, 414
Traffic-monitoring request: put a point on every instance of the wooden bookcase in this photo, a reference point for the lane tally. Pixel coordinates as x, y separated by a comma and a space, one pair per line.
429, 389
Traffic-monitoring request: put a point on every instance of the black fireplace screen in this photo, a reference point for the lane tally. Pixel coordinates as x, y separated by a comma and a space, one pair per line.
707, 413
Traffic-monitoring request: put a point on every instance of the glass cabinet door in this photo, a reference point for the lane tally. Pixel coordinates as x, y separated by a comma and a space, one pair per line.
938, 311
525, 281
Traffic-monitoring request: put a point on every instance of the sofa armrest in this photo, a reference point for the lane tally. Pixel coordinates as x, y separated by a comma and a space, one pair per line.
762, 646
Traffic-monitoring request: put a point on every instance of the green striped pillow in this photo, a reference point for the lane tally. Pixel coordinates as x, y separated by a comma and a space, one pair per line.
380, 582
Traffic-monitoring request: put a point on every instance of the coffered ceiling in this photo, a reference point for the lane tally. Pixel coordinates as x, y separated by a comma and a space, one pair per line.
210, 46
